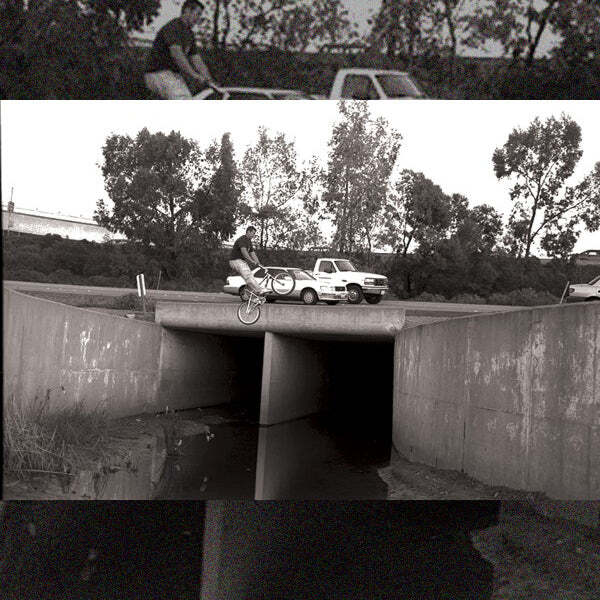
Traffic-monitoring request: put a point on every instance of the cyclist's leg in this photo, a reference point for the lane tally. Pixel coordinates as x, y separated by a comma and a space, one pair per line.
244, 270
167, 85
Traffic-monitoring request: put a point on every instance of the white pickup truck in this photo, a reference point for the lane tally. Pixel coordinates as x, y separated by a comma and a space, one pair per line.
373, 84
370, 286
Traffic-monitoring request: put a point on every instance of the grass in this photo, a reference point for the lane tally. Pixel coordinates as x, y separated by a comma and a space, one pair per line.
39, 441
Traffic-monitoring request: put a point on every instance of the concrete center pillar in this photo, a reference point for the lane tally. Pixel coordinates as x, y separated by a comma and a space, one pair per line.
294, 378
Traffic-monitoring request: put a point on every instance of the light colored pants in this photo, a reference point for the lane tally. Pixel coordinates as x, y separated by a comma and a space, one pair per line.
168, 85
241, 267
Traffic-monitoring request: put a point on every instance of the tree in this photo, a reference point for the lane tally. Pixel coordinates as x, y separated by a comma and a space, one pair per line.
540, 160
479, 229
362, 154
402, 28
517, 24
416, 210
217, 204
578, 25
152, 181
271, 181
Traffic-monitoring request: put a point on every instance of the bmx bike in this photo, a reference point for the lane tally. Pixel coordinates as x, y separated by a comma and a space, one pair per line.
282, 284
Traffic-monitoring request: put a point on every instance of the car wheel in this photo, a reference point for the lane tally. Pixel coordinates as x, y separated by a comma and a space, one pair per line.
355, 294
373, 299
332, 302
309, 296
243, 293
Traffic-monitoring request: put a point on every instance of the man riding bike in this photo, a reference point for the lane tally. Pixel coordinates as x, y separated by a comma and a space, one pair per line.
175, 56
243, 255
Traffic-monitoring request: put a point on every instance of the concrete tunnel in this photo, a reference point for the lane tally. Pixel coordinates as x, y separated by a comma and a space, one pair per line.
293, 362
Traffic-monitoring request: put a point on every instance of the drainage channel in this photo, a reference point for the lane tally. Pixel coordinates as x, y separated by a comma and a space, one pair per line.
332, 454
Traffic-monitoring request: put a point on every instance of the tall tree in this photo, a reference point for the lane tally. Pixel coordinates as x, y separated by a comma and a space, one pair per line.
516, 24
416, 210
362, 154
479, 229
152, 181
217, 204
578, 26
271, 181
539, 160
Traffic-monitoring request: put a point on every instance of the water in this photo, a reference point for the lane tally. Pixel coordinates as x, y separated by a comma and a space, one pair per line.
318, 457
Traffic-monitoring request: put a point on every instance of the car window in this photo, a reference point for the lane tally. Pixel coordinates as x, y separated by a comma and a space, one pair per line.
398, 86
359, 87
595, 280
248, 96
344, 265
301, 275
326, 267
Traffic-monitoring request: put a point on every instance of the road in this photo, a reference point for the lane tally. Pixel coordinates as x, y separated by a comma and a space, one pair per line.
431, 309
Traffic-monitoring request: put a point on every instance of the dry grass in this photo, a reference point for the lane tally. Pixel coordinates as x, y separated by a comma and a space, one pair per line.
61, 442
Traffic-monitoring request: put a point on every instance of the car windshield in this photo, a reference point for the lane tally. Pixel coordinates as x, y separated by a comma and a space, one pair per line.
399, 86
344, 265
595, 280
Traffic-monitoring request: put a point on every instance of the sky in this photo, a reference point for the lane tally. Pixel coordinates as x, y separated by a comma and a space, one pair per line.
51, 150
359, 12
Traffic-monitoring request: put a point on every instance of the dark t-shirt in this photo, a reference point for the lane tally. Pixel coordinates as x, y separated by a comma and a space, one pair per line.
242, 242
174, 32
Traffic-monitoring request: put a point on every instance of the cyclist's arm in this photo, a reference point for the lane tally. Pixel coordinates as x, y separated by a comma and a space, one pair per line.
184, 64
201, 67
250, 257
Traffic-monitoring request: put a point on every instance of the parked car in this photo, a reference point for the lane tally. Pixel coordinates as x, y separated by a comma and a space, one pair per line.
247, 93
308, 289
584, 292
589, 257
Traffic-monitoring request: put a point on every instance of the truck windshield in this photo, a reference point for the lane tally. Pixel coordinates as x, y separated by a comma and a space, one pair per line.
399, 86
344, 265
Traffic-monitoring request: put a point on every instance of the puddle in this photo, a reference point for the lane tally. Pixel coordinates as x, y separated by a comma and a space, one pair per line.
317, 457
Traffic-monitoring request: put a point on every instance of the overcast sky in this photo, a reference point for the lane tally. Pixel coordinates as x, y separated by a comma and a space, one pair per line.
51, 150
359, 12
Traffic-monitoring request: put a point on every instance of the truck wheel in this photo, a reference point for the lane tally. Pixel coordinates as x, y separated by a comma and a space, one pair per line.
373, 299
243, 293
309, 296
332, 302
355, 294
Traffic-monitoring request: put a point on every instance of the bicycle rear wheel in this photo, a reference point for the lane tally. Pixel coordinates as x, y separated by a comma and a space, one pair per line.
248, 312
283, 284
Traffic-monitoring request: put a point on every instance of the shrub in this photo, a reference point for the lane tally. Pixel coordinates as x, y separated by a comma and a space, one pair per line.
523, 297
132, 302
427, 297
467, 299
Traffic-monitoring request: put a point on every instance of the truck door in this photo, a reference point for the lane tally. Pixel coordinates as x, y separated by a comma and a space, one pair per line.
325, 269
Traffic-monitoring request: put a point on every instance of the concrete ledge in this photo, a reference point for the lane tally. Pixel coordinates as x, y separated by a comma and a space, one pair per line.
321, 322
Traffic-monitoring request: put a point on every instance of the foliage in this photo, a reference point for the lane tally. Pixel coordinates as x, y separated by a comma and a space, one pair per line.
362, 154
164, 196
540, 160
271, 182
415, 210
65, 49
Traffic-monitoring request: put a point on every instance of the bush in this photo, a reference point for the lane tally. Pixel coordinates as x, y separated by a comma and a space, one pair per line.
467, 299
63, 276
427, 297
132, 302
524, 297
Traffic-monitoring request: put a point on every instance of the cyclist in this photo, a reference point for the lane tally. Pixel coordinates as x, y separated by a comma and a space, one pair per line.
175, 56
243, 255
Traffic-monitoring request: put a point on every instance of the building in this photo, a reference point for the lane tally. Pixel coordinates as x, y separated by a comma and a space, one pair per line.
22, 220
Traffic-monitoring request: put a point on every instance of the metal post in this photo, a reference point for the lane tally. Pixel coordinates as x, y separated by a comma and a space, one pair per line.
564, 292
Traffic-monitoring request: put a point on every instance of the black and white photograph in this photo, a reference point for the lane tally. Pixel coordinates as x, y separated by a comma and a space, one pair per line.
278, 49
288, 350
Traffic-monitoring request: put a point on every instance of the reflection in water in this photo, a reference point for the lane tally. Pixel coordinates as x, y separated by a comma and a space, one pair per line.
317, 457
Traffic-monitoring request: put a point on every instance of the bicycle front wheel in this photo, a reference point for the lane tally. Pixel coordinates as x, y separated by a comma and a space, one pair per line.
248, 312
283, 284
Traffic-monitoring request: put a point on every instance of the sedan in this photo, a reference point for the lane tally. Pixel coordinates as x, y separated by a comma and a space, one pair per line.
584, 292
308, 289
589, 257
241, 93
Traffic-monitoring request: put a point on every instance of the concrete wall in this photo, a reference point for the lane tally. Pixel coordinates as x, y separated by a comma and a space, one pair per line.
124, 366
75, 355
511, 399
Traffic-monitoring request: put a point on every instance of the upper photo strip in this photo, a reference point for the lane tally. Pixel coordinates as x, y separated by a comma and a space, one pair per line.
299, 49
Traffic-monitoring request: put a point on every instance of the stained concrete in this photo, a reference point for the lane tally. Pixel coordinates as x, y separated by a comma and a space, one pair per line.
511, 399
